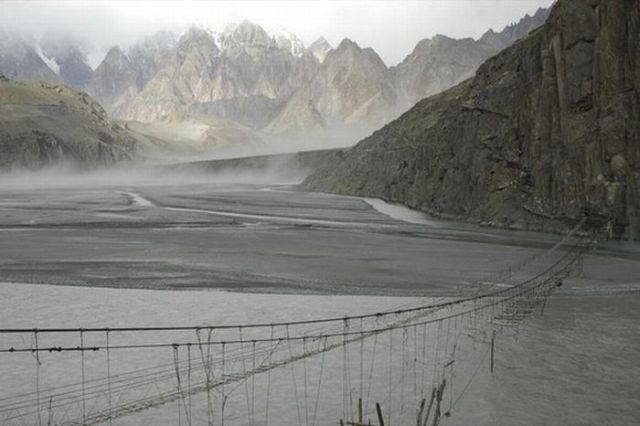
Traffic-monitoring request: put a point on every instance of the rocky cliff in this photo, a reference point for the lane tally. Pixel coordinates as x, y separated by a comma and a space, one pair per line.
47, 123
546, 131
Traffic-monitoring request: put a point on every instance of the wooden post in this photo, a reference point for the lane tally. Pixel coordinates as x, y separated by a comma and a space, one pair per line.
379, 411
420, 411
433, 398
493, 339
360, 410
440, 394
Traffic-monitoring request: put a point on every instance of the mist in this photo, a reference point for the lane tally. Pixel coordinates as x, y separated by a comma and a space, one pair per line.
275, 170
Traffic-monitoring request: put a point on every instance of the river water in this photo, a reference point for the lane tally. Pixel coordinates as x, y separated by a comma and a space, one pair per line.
201, 254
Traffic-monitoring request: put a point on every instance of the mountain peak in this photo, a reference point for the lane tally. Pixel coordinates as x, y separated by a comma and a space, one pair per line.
320, 41
115, 53
66, 56
346, 44
116, 60
320, 48
286, 40
246, 33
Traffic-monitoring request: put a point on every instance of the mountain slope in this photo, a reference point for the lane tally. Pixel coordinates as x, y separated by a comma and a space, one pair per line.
241, 62
442, 62
352, 86
547, 131
273, 84
114, 82
44, 123
19, 59
66, 55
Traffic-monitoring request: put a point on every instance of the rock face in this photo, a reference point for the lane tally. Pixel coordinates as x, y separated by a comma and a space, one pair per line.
353, 86
148, 55
547, 131
45, 123
205, 68
114, 82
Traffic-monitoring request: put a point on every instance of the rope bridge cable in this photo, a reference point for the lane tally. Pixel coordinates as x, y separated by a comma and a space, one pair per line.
375, 331
499, 308
172, 397
283, 323
536, 256
503, 295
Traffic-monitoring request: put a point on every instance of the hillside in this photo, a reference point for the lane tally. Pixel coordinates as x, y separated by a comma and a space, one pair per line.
47, 123
546, 131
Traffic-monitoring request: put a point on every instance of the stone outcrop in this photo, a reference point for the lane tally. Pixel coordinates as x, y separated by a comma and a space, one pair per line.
46, 123
546, 132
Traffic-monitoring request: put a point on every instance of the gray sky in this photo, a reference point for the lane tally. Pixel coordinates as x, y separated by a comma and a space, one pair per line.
392, 28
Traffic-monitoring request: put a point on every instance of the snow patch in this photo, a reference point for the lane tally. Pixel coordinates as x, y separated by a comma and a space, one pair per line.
51, 63
288, 41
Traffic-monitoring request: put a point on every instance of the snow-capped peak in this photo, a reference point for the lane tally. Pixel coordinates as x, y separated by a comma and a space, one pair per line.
287, 40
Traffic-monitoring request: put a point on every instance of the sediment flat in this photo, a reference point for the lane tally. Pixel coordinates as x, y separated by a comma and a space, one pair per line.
264, 238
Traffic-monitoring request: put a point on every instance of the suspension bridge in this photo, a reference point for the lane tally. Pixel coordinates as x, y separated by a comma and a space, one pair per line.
410, 365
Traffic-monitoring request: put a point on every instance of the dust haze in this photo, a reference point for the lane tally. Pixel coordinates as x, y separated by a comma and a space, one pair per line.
270, 171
